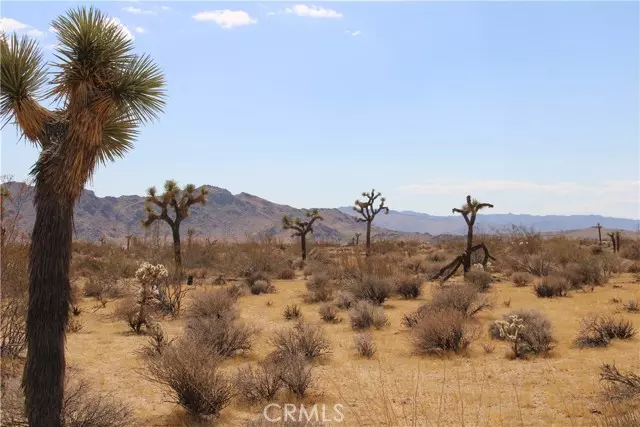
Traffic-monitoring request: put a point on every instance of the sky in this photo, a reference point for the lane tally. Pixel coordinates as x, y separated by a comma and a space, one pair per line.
531, 106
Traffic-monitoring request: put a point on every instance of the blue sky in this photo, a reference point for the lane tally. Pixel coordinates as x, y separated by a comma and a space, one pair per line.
531, 106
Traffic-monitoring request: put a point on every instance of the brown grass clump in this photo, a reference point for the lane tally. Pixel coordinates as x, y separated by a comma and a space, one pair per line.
466, 299
344, 300
292, 312
329, 313
442, 331
219, 335
535, 338
551, 286
409, 287
479, 278
364, 344
319, 288
365, 315
217, 303
371, 288
521, 278
621, 385
304, 338
598, 331
286, 273
259, 282
192, 379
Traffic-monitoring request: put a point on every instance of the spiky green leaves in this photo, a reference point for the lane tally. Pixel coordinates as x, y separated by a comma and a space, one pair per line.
175, 198
366, 208
23, 75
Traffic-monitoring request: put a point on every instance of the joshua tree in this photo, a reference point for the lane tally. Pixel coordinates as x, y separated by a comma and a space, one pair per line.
104, 92
180, 200
190, 233
369, 212
615, 240
129, 237
302, 227
357, 239
469, 211
599, 227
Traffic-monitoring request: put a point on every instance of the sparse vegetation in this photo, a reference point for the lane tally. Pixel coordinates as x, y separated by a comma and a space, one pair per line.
442, 331
364, 345
306, 339
409, 287
551, 286
535, 337
371, 288
301, 228
329, 313
598, 331
368, 213
292, 312
521, 278
365, 315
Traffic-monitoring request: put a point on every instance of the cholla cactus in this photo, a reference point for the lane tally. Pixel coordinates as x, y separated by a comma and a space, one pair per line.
511, 331
149, 274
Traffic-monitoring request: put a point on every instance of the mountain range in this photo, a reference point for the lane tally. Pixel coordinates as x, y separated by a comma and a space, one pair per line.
237, 217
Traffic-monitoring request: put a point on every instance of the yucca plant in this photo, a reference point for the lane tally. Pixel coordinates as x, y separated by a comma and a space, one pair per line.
103, 92
301, 228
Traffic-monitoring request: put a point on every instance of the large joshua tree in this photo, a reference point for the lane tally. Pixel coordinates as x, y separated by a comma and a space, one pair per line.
179, 200
302, 227
368, 212
469, 212
103, 93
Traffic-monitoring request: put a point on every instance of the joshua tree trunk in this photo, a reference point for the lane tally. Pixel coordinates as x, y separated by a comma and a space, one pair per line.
599, 227
303, 246
49, 262
466, 262
177, 253
368, 238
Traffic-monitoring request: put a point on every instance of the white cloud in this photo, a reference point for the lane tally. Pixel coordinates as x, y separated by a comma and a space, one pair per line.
165, 8
7, 25
138, 11
353, 33
226, 18
630, 188
53, 30
313, 11
140, 30
35, 33
123, 28
271, 13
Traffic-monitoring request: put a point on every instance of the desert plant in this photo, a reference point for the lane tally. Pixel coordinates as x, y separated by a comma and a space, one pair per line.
551, 286
464, 298
220, 335
179, 200
329, 313
319, 288
295, 372
469, 211
135, 312
219, 303
364, 315
370, 287
368, 212
623, 385
344, 300
302, 227
521, 278
479, 278
364, 344
510, 330
286, 273
258, 385
598, 331
107, 92
13, 338
192, 378
292, 312
409, 287
535, 336
442, 331
262, 287
157, 342
633, 306
304, 338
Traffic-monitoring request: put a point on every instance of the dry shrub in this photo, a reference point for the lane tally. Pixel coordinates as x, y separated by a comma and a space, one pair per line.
73, 326
344, 300
157, 342
438, 256
585, 272
319, 288
82, 406
521, 278
101, 288
217, 303
598, 331
371, 288
13, 313
292, 312
539, 264
304, 338
412, 319
191, 375
295, 372
329, 313
365, 315
478, 278
364, 344
535, 338
466, 299
621, 385
258, 385
632, 267
633, 306
132, 312
236, 290
286, 273
551, 286
409, 287
630, 250
222, 336
262, 287
442, 331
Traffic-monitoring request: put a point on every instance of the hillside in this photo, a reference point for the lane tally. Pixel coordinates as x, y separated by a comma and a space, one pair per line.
225, 216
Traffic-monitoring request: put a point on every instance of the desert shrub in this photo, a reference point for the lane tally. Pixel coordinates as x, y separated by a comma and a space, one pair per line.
319, 288
222, 336
438, 256
258, 385
539, 264
286, 273
295, 372
253, 276
82, 406
236, 290
466, 299
536, 336
191, 375
412, 319
344, 300
631, 266
521, 278
134, 313
73, 326
621, 385
364, 315
633, 306
598, 331
364, 345
630, 250
292, 312
409, 287
156, 343
13, 314
262, 287
217, 303
478, 278
586, 272
442, 331
551, 286
303, 338
371, 288
329, 313
100, 288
